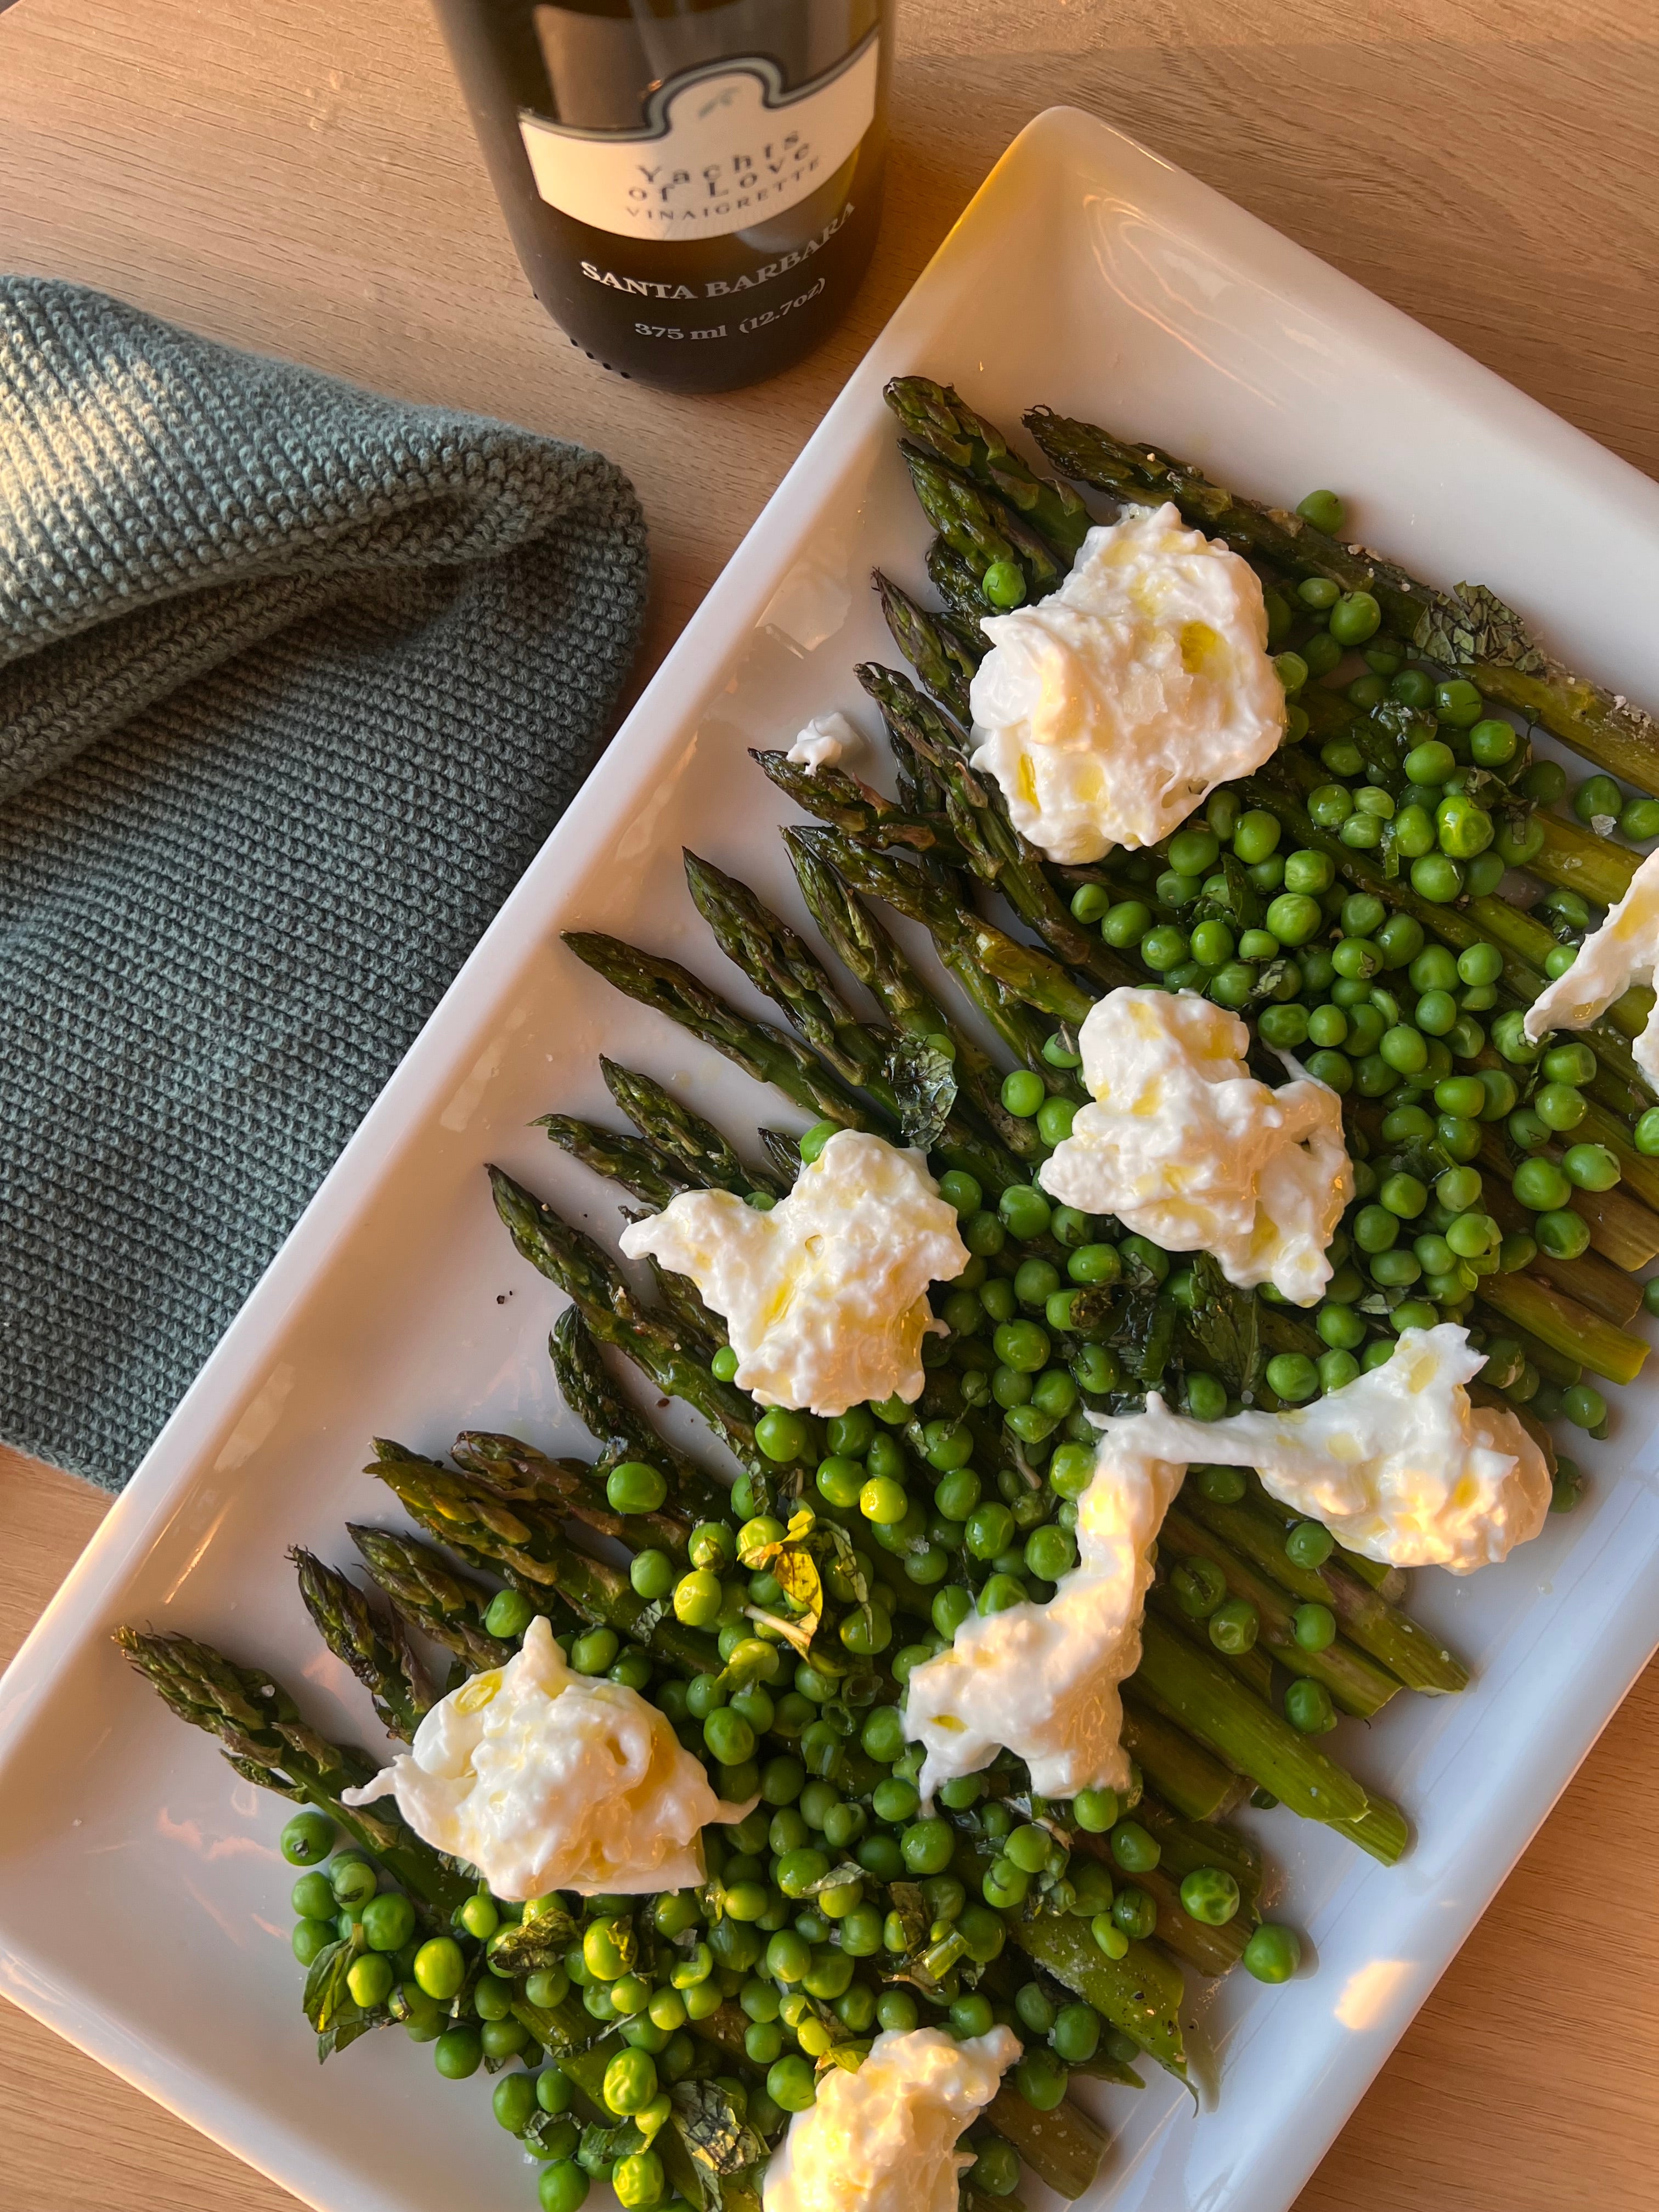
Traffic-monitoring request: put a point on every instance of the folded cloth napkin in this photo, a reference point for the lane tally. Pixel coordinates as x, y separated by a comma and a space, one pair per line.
293, 681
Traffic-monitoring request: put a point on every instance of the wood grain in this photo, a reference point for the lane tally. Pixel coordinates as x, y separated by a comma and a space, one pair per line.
300, 178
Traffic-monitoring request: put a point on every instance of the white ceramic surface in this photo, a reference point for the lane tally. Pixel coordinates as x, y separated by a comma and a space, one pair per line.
143, 1904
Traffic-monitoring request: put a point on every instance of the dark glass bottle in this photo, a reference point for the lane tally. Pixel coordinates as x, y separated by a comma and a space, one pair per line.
693, 186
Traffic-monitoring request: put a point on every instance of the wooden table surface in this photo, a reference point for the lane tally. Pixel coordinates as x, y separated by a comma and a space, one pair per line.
298, 177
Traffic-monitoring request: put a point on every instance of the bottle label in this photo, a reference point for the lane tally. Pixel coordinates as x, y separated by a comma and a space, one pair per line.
724, 148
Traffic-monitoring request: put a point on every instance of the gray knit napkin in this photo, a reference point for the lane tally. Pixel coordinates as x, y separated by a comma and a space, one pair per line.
293, 681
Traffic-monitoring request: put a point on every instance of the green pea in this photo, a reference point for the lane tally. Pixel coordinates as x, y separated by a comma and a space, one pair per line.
1134, 1848
1584, 1406
1394, 1270
1413, 1313
990, 1530
1598, 798
440, 1968
563, 2186
1027, 1215
1336, 1369
1022, 1093
1647, 1133
1325, 511
1070, 1228
840, 1480
1030, 1848
635, 1487
352, 1879
1255, 836
1110, 1936
1003, 586
1437, 877
1210, 1894
1034, 2009
1404, 1049
1434, 1255
1285, 1028
592, 1653
1493, 743
313, 1898
1375, 1229
1205, 1396
1459, 703
1076, 2033
1307, 1707
1294, 917
1094, 1263
1054, 1120
1307, 872
1472, 1236
1193, 852
1040, 2078
1639, 820
1164, 948
1125, 924
1458, 1189
784, 1436
1235, 1625
308, 1840
389, 1921
1362, 832
1413, 834
1431, 762
1333, 1069
1559, 1106
1519, 842
1355, 617
1055, 1391
1340, 1326
884, 1501
1399, 941
1562, 1234
1000, 1592
1272, 1953
1309, 1544
1021, 1345
699, 1598
1292, 1376
514, 2102
1313, 1626
1233, 985
1403, 1195
458, 2053
1173, 889
1462, 1094
311, 1937
1413, 688
1464, 828
1293, 672
1212, 943
1197, 1587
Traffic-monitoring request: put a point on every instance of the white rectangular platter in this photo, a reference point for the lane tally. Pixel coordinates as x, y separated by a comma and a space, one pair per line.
142, 1902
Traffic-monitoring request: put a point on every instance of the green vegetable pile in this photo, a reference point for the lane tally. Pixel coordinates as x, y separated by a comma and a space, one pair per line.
1350, 902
